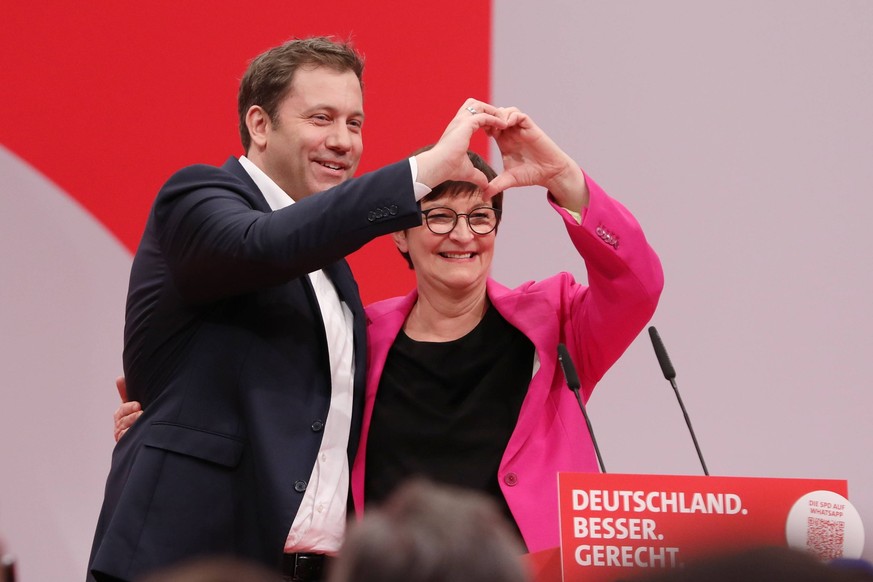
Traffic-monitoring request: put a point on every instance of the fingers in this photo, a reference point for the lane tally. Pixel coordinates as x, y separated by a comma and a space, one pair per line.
503, 181
477, 107
125, 424
448, 160
124, 417
121, 384
479, 114
482, 120
510, 114
477, 178
126, 409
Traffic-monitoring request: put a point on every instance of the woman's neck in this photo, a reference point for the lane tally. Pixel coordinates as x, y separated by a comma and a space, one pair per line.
436, 317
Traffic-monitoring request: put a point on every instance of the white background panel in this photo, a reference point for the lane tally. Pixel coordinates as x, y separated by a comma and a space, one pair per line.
741, 136
64, 282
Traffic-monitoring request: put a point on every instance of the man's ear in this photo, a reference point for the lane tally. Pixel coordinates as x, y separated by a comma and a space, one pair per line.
400, 240
258, 122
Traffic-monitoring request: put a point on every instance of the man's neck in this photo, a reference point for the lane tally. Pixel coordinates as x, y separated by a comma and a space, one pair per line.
276, 197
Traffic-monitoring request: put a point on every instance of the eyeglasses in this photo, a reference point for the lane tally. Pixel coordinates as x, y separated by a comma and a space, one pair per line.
442, 220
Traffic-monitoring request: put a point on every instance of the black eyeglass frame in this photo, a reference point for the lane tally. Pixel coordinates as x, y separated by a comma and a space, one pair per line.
466, 215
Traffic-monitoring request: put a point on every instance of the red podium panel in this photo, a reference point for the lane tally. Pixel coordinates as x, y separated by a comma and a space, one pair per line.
615, 526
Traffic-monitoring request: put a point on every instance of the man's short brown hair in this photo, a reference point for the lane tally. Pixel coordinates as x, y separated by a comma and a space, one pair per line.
269, 76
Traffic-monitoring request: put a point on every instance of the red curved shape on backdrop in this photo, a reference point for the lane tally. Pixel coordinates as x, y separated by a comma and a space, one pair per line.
107, 98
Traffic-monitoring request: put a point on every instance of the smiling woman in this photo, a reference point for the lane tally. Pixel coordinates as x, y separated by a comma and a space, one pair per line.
450, 258
463, 384
451, 267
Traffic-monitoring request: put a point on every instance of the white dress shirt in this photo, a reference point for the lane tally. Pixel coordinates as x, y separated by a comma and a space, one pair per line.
321, 519
320, 522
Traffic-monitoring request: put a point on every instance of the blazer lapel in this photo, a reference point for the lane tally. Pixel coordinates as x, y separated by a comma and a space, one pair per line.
536, 319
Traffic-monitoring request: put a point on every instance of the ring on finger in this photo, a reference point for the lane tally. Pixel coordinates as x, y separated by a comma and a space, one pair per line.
472, 110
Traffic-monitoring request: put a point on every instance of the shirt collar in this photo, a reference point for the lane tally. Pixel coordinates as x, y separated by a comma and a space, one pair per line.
275, 196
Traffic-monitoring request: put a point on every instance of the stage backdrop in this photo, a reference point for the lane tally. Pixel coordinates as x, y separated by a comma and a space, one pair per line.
99, 103
741, 137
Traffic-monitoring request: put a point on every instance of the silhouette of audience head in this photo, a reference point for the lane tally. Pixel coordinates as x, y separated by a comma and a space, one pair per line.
431, 533
213, 569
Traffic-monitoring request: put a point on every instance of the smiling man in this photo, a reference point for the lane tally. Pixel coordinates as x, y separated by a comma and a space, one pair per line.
245, 336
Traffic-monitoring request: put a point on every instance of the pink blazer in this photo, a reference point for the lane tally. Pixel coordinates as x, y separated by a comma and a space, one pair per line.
597, 323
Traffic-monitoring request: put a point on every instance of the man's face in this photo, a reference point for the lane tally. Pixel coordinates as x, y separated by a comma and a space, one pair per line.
316, 142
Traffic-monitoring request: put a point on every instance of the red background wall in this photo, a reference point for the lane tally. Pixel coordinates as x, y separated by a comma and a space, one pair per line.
107, 99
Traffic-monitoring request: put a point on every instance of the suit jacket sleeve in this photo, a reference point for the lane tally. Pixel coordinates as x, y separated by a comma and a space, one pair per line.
220, 240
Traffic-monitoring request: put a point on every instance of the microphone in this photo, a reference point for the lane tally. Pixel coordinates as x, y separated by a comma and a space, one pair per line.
7, 563
574, 385
670, 374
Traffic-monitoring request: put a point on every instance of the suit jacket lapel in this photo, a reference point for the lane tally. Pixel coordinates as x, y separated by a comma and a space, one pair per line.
347, 289
233, 167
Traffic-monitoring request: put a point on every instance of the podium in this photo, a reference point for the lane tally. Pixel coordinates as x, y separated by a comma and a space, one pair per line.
616, 526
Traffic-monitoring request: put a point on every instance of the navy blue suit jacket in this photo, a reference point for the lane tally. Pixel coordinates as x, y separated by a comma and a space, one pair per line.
225, 347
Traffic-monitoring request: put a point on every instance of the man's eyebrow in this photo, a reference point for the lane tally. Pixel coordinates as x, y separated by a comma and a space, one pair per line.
333, 109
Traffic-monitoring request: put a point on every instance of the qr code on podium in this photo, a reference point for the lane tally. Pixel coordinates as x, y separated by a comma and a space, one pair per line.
825, 538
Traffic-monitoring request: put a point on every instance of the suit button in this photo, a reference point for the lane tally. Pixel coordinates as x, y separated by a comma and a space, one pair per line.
371, 216
299, 486
392, 210
317, 426
511, 479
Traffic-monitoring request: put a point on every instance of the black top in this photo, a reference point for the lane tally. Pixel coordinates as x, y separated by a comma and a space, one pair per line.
446, 410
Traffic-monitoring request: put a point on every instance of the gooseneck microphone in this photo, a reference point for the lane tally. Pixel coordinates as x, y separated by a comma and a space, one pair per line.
7, 567
670, 374
574, 385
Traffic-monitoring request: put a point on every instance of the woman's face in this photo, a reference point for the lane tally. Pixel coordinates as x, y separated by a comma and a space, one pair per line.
455, 261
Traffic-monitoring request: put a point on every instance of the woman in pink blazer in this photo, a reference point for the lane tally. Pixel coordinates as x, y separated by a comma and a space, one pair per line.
463, 381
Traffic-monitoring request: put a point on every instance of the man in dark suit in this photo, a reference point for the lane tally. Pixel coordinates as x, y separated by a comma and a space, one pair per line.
245, 334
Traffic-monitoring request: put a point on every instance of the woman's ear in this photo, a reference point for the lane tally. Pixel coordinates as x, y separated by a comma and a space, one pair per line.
400, 240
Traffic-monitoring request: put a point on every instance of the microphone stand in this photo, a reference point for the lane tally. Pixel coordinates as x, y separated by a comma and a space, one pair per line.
670, 374
590, 430
688, 422
574, 385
